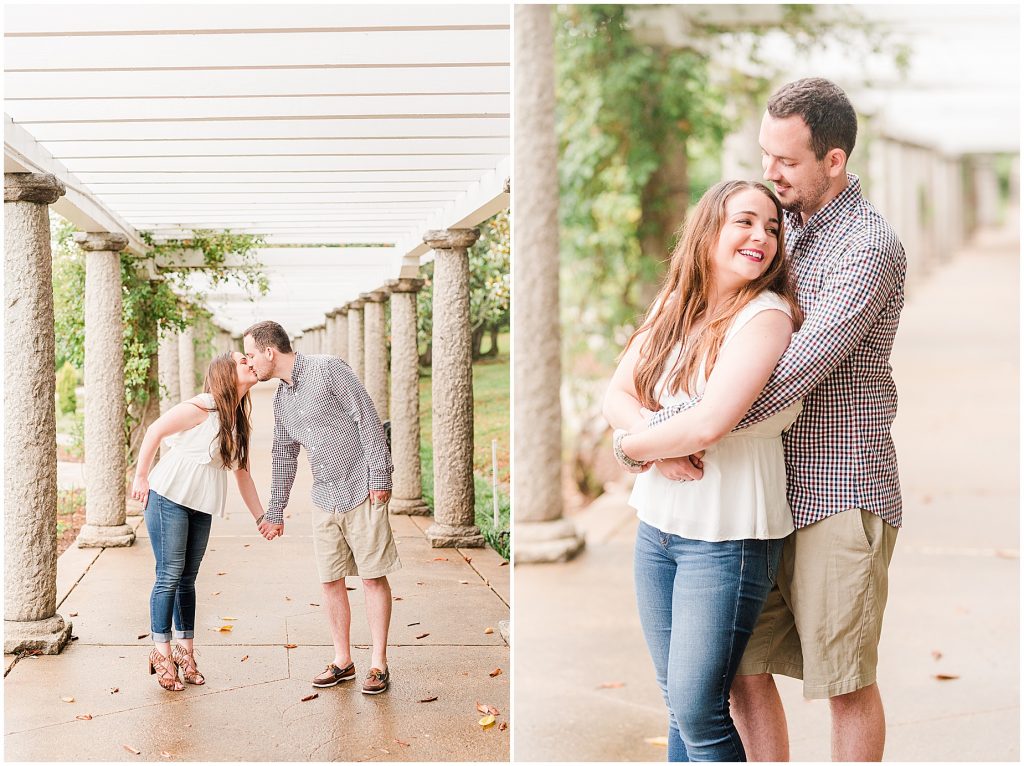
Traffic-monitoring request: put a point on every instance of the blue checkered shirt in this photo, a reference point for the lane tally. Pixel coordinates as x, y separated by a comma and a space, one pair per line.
327, 410
850, 269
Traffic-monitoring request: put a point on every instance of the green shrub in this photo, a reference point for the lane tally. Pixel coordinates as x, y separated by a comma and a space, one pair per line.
67, 381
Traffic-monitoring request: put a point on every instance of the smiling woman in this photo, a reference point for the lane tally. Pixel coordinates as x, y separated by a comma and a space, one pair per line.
706, 550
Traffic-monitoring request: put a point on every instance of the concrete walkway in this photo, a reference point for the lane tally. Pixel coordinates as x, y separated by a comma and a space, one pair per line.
250, 708
954, 590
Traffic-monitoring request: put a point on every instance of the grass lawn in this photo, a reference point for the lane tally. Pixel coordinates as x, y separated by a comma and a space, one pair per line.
491, 405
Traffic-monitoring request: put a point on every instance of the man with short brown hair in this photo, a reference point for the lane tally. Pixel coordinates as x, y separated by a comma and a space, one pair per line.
322, 406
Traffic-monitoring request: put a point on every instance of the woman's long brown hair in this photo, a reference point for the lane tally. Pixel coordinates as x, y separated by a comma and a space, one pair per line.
222, 382
684, 298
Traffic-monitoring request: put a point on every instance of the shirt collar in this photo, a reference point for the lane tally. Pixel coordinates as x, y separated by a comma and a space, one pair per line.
844, 201
297, 368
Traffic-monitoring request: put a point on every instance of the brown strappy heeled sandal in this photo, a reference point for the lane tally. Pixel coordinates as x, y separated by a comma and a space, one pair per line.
186, 660
166, 677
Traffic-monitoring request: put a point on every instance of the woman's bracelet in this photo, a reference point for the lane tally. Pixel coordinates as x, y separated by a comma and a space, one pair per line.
621, 456
260, 519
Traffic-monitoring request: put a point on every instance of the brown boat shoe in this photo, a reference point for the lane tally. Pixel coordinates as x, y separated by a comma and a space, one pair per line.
376, 681
334, 675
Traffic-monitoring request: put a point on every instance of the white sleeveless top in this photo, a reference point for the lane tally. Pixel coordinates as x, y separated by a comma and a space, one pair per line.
743, 492
191, 473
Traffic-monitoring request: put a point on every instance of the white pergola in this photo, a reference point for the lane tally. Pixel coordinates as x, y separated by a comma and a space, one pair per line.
341, 134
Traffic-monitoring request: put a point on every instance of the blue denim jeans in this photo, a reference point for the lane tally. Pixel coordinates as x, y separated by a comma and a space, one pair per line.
698, 603
179, 536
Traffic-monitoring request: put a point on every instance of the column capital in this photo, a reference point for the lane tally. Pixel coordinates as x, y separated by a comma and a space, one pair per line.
356, 303
342, 311
101, 241
451, 239
405, 285
33, 187
376, 296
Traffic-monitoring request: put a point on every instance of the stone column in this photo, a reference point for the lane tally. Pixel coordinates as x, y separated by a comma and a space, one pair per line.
30, 431
986, 185
407, 481
452, 391
187, 363
356, 341
376, 349
330, 330
341, 335
104, 395
170, 375
541, 533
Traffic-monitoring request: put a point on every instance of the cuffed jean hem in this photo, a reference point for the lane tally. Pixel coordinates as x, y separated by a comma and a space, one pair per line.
183, 633
161, 638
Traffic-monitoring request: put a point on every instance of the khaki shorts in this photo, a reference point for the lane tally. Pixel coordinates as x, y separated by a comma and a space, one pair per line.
823, 618
356, 543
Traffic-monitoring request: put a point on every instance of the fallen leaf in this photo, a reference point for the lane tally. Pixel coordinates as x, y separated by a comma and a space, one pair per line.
488, 631
312, 604
131, 749
348, 588
396, 598
502, 726
419, 583
403, 744
229, 618
487, 721
427, 699
67, 699
936, 654
215, 593
384, 750
287, 598
245, 658
291, 646
165, 754
85, 717
221, 573
469, 559
225, 628
188, 726
309, 697
411, 624
246, 545
611, 685
143, 635
945, 677
439, 558
503, 564
72, 614
114, 690
422, 635
463, 582
74, 638
495, 672
487, 709
659, 741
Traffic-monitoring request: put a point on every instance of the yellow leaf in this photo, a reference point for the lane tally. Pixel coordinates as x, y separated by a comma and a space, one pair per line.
229, 618
487, 721
67, 699
226, 628
659, 741
488, 631
131, 749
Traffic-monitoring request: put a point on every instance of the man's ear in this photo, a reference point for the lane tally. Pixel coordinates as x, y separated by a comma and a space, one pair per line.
835, 161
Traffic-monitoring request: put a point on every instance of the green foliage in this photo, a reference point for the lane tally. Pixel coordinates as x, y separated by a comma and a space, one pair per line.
67, 381
640, 129
149, 307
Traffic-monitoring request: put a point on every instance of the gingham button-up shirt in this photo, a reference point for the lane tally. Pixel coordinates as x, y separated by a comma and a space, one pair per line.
850, 269
327, 410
